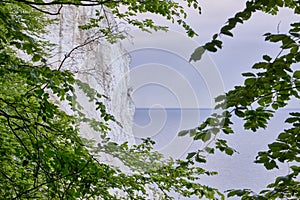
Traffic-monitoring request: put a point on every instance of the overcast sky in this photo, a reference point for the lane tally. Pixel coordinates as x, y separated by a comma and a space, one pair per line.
161, 75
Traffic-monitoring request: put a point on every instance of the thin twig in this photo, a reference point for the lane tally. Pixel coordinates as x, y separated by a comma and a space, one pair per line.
47, 12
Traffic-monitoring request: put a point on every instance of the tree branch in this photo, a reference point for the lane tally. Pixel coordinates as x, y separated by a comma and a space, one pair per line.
53, 180
60, 2
47, 12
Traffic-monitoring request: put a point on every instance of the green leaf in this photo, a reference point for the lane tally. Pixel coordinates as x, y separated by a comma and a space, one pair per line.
190, 155
210, 47
220, 98
227, 130
250, 81
225, 31
197, 54
276, 146
296, 114
239, 113
217, 43
206, 136
210, 150
267, 58
296, 74
193, 132
200, 159
229, 151
248, 74
271, 165
36, 58
202, 126
292, 120
239, 193
183, 133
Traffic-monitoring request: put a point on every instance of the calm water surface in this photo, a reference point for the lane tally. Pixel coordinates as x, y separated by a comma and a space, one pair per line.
237, 171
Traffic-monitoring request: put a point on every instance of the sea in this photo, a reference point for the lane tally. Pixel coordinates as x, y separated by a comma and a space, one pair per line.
234, 172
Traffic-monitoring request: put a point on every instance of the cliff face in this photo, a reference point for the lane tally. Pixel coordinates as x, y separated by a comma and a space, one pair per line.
100, 64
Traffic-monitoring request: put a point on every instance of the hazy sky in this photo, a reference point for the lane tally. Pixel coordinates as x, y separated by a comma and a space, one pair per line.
161, 74
162, 77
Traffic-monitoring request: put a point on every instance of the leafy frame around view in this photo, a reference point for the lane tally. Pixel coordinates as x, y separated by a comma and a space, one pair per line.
270, 86
42, 153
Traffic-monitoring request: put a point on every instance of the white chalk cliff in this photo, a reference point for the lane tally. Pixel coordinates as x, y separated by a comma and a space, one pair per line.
100, 64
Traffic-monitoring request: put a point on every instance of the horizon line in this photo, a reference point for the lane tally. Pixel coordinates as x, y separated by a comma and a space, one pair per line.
178, 108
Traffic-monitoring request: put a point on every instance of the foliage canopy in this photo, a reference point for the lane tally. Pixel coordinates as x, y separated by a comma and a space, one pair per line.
42, 154
270, 86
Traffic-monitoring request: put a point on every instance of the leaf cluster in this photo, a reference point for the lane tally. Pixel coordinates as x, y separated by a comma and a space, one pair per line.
271, 84
42, 153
